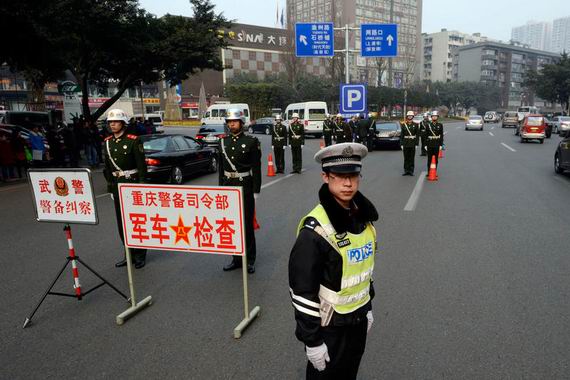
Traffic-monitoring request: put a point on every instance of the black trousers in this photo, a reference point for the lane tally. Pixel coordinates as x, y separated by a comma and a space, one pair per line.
423, 139
430, 153
328, 138
279, 157
297, 153
409, 159
345, 346
137, 255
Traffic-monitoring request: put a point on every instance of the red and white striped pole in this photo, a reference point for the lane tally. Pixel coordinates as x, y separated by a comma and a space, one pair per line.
76, 284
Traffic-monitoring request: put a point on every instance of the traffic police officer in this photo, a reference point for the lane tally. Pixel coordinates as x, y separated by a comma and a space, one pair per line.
434, 136
423, 129
409, 133
297, 142
344, 132
278, 143
328, 130
362, 131
124, 163
240, 155
331, 265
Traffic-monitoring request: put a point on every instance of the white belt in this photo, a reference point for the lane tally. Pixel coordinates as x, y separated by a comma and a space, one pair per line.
279, 138
237, 174
296, 137
433, 137
409, 137
125, 173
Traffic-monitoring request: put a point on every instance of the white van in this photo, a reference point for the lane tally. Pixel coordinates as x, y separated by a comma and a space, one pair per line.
216, 113
154, 118
311, 114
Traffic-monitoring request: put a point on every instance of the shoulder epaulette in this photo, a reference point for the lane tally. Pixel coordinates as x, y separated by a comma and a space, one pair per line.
310, 223
132, 137
108, 138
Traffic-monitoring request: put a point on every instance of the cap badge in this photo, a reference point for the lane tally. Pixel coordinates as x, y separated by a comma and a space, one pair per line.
347, 152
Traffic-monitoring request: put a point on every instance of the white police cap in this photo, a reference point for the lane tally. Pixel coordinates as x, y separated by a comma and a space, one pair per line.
342, 158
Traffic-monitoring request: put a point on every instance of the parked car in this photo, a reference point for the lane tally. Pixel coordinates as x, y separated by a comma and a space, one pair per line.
386, 134
562, 156
548, 126
170, 158
418, 118
491, 117
261, 125
311, 114
216, 113
210, 134
533, 128
474, 122
510, 119
561, 125
154, 118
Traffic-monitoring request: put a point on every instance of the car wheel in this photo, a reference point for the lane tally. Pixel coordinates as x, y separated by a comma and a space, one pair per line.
250, 130
542, 141
465, 128
557, 168
267, 131
213, 165
176, 176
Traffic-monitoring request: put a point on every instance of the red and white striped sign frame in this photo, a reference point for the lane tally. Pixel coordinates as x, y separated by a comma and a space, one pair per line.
206, 219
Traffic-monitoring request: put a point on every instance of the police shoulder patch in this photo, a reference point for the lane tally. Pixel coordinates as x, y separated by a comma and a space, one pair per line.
310, 223
132, 137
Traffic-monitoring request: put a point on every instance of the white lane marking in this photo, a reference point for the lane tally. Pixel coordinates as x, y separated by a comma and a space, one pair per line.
491, 133
102, 195
508, 147
413, 201
444, 133
492, 127
279, 179
14, 187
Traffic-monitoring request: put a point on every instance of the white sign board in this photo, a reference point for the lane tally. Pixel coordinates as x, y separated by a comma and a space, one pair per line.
183, 218
63, 195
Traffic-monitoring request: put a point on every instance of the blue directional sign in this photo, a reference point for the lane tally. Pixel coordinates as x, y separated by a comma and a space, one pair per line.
379, 40
353, 98
314, 39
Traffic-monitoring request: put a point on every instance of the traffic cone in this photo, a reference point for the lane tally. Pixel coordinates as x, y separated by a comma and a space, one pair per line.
322, 144
432, 175
440, 153
256, 225
270, 166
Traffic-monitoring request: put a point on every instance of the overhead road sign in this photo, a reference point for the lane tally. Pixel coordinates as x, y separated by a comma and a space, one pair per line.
314, 39
379, 40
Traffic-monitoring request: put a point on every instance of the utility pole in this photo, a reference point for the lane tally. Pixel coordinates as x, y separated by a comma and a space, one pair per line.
347, 51
390, 75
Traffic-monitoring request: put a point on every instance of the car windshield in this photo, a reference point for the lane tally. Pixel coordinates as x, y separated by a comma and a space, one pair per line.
388, 127
213, 128
534, 121
155, 145
475, 117
317, 114
155, 119
510, 114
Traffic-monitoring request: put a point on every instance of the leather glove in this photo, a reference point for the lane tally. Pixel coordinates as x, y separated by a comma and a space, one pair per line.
112, 197
255, 195
370, 320
318, 356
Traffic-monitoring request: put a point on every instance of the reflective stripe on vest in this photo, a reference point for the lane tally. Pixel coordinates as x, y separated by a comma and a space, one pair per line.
357, 252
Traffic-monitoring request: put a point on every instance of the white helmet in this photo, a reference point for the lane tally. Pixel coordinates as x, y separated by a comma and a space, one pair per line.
426, 114
435, 113
235, 114
370, 115
295, 115
278, 117
339, 115
410, 113
117, 115
327, 115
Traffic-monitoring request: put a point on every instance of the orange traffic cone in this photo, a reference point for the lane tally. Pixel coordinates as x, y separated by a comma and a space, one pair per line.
440, 153
432, 176
322, 144
270, 166
256, 225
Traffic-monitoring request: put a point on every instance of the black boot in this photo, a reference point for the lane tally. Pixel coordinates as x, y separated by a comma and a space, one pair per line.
235, 264
121, 263
250, 268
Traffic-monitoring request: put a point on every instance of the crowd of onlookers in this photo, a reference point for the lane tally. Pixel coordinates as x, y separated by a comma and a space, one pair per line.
77, 144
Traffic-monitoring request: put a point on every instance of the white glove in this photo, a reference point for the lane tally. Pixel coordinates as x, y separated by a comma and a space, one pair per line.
370, 320
425, 148
440, 147
255, 195
402, 147
112, 197
416, 147
318, 356
272, 147
302, 146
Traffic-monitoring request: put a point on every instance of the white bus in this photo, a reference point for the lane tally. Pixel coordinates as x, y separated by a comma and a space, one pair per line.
311, 114
216, 113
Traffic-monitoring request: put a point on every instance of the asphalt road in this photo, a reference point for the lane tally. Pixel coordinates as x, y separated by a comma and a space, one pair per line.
472, 282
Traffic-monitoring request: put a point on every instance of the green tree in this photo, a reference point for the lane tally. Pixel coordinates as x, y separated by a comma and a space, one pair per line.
552, 83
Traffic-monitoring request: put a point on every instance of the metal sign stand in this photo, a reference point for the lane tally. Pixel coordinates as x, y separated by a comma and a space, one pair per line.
135, 307
248, 316
73, 259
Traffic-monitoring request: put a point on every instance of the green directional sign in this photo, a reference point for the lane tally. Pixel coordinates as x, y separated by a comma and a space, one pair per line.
68, 88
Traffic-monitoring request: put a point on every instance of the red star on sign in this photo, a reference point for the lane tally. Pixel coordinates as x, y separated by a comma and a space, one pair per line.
181, 231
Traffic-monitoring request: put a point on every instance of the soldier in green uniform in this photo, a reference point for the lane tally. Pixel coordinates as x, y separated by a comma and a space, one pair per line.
409, 133
423, 129
328, 130
343, 130
297, 142
434, 136
124, 163
279, 143
240, 157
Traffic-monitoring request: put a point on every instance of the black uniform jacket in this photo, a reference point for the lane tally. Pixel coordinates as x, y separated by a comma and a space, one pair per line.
314, 262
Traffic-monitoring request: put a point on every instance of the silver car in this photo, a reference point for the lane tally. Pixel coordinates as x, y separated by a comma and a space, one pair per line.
474, 122
561, 125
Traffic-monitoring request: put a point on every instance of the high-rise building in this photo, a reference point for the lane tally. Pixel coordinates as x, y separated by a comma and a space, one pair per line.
437, 50
536, 35
396, 72
561, 35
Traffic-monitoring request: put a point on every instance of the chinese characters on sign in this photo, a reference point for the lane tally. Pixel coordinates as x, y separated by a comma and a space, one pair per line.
379, 40
64, 196
314, 39
183, 218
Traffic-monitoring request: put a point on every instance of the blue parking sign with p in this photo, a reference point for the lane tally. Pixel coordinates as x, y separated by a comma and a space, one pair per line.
353, 98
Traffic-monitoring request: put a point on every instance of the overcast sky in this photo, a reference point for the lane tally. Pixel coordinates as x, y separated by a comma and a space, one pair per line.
492, 18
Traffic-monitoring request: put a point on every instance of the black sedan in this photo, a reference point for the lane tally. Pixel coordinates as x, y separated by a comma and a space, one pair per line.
386, 134
562, 156
210, 134
170, 158
262, 125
